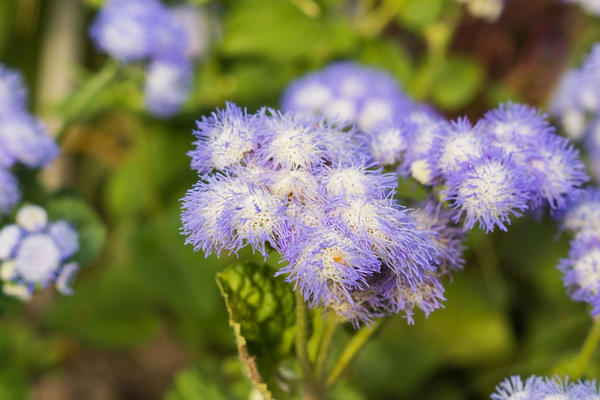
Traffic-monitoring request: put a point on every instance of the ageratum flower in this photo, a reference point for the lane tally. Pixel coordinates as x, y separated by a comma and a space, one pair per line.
9, 191
124, 28
488, 191
457, 144
168, 84
13, 94
448, 238
348, 92
545, 388
196, 23
25, 140
582, 269
299, 185
34, 253
224, 139
389, 140
583, 213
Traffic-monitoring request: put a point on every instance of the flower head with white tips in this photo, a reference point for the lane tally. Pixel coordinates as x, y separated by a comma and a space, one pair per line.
33, 253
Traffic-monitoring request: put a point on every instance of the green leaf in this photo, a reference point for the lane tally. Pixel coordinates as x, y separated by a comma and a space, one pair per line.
261, 311
457, 83
389, 55
416, 14
13, 386
280, 31
92, 232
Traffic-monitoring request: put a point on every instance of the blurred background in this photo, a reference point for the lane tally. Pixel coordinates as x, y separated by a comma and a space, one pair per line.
146, 320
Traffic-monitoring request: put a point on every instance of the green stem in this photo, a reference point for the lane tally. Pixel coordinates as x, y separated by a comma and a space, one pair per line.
331, 324
378, 19
81, 99
587, 351
352, 348
302, 337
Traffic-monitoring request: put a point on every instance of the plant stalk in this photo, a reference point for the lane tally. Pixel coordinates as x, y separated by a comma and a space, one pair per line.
350, 351
331, 324
587, 351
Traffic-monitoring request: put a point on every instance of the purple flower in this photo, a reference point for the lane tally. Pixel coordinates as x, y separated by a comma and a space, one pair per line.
389, 140
224, 139
348, 92
25, 140
488, 191
33, 253
458, 143
168, 84
583, 213
357, 181
448, 238
557, 171
582, 269
13, 94
545, 388
195, 21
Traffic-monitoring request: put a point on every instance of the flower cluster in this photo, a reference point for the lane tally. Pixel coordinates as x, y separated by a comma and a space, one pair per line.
489, 10
582, 268
34, 253
508, 163
576, 100
23, 138
348, 92
305, 187
542, 388
146, 30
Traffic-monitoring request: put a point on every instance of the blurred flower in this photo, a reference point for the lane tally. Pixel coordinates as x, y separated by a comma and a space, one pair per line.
196, 24
13, 94
535, 387
348, 92
168, 84
591, 6
33, 253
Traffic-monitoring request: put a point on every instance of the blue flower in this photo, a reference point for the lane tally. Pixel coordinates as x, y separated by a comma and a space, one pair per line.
447, 238
13, 94
33, 253
488, 191
348, 92
582, 269
389, 141
195, 21
25, 140
583, 213
224, 139
124, 28
545, 388
168, 84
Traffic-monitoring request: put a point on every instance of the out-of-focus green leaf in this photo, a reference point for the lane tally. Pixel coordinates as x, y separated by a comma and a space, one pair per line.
416, 14
261, 310
192, 385
111, 310
388, 55
13, 386
457, 83
91, 230
280, 31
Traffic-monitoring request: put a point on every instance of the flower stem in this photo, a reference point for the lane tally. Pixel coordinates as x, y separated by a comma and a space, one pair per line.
81, 99
302, 337
352, 348
331, 324
380, 17
588, 349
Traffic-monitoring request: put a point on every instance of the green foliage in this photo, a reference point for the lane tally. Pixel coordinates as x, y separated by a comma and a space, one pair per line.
261, 311
92, 232
417, 14
457, 83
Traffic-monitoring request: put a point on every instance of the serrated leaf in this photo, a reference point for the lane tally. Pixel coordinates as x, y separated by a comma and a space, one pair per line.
261, 311
91, 230
457, 83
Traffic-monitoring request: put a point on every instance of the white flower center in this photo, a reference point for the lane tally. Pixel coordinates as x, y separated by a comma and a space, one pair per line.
38, 258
